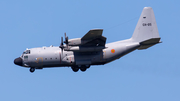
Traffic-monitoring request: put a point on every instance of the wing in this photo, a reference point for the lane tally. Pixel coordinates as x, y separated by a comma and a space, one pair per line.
94, 38
90, 42
92, 34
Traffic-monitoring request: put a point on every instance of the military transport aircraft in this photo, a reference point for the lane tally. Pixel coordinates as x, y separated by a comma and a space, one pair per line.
91, 49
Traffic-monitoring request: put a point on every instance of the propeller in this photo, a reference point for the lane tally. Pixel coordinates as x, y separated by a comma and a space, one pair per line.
66, 40
61, 45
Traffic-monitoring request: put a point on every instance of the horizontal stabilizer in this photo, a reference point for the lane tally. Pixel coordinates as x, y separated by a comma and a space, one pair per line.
148, 43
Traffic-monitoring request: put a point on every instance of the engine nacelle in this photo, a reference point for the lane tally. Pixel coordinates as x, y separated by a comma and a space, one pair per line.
84, 49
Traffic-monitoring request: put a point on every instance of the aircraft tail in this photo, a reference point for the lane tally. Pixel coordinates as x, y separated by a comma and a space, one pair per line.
146, 31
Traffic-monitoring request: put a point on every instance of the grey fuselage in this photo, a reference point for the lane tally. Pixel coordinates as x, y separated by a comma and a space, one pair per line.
53, 56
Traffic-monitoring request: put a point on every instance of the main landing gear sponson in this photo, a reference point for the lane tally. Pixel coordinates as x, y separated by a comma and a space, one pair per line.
32, 69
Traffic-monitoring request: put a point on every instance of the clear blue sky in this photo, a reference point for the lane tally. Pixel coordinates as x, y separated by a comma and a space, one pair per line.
146, 75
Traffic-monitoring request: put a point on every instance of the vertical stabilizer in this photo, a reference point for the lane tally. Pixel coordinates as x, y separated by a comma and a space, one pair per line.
146, 31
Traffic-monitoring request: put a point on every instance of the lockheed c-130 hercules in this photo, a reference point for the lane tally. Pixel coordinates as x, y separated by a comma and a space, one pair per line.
91, 49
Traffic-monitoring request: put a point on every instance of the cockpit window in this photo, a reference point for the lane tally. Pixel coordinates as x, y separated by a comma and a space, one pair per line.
27, 52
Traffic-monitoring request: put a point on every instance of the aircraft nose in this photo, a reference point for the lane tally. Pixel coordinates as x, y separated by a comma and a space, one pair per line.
18, 61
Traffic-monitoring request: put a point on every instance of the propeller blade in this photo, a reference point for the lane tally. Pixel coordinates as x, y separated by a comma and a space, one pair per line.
61, 45
66, 40
65, 34
62, 41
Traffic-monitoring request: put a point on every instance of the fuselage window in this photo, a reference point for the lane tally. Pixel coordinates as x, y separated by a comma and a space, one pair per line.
25, 57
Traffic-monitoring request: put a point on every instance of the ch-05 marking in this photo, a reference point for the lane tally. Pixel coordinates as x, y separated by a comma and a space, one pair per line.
146, 24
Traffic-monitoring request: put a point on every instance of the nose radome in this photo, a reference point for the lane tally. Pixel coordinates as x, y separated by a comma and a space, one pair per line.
18, 61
